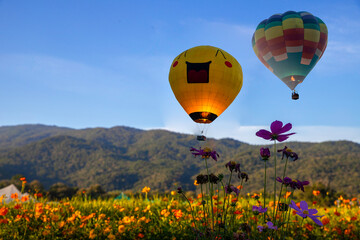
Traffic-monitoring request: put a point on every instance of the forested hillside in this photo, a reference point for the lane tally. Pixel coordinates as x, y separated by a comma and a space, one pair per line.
125, 158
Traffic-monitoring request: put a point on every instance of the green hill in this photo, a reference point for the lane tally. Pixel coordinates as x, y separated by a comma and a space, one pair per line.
126, 158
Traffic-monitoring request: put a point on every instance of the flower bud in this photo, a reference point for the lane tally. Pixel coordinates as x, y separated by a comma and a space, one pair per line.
265, 153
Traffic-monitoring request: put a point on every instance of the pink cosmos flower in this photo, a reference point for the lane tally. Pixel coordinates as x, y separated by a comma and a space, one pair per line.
277, 132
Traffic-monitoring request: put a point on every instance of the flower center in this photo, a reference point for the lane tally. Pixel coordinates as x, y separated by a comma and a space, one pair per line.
306, 212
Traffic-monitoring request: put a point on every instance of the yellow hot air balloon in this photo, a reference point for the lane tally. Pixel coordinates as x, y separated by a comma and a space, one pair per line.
205, 81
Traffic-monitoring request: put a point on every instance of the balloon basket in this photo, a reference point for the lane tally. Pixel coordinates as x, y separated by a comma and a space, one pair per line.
295, 96
201, 138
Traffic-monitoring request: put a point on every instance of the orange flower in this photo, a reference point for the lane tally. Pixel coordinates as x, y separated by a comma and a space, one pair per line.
239, 187
337, 213
17, 206
177, 213
234, 200
287, 194
4, 221
121, 228
24, 198
309, 227
140, 235
354, 218
145, 189
23, 179
237, 212
196, 183
199, 195
215, 197
3, 211
14, 196
316, 192
325, 221
38, 195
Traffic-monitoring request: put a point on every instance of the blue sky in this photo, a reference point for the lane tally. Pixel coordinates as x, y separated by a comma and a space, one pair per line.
89, 63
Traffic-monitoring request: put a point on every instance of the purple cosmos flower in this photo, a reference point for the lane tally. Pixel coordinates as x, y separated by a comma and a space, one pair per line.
233, 166
265, 153
179, 189
204, 153
304, 212
294, 184
243, 175
300, 184
259, 209
269, 224
230, 189
286, 181
287, 152
277, 130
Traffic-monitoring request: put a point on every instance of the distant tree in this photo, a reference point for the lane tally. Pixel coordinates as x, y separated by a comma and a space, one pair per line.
60, 191
36, 187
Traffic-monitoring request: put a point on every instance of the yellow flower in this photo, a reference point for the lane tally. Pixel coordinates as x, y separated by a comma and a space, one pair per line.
136, 209
126, 220
145, 189
173, 193
121, 228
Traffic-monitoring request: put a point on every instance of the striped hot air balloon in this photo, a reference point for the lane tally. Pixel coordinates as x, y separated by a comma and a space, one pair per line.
290, 45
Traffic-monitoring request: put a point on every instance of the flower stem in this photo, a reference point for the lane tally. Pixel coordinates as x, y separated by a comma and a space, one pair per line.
281, 186
274, 180
265, 190
211, 194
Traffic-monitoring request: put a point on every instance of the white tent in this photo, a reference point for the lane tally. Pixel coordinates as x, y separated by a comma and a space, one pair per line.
7, 191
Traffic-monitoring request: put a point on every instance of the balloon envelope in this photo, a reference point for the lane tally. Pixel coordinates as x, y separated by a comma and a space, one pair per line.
290, 45
205, 81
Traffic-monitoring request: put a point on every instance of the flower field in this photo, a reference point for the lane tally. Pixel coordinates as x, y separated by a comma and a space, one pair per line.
165, 217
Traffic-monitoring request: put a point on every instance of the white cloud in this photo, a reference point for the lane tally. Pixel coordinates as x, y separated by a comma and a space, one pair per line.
225, 129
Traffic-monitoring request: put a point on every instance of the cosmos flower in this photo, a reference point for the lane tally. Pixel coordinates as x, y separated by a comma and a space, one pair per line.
243, 175
277, 132
259, 209
204, 153
269, 224
230, 189
294, 184
305, 212
287, 152
286, 181
265, 153
233, 166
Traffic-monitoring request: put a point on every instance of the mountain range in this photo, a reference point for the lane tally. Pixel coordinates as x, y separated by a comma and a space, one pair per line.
124, 158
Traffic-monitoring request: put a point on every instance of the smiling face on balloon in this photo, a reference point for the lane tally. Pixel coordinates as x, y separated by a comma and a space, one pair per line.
205, 80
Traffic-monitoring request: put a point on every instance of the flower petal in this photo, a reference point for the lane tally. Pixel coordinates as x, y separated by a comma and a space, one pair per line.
317, 221
313, 211
302, 214
276, 126
265, 134
285, 128
293, 205
283, 137
304, 205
